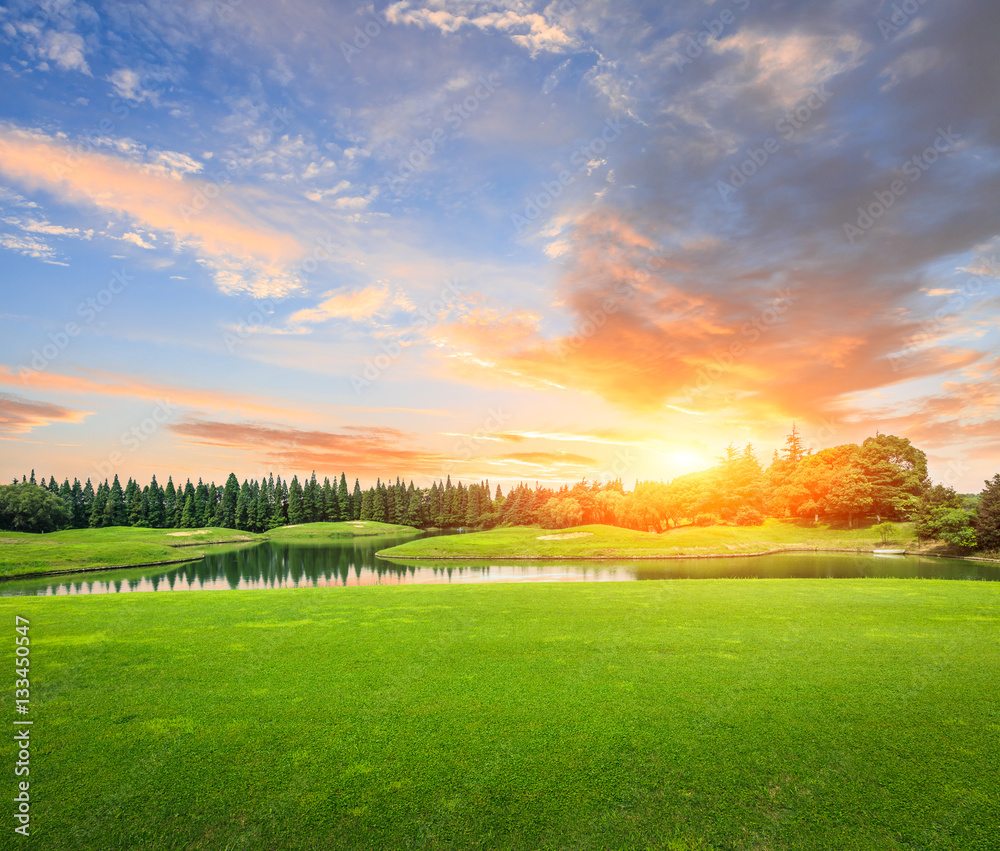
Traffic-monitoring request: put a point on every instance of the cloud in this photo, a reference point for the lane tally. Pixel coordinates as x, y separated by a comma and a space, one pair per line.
536, 33
20, 416
66, 50
244, 253
372, 450
93, 384
29, 246
357, 305
127, 84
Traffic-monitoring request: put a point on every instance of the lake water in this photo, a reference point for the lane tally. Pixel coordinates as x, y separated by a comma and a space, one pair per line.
353, 562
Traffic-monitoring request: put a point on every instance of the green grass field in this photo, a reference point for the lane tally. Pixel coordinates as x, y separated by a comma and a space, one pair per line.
117, 546
612, 542
347, 529
725, 714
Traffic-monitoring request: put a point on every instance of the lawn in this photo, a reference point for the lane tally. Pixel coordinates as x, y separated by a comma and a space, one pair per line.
80, 549
347, 529
718, 714
117, 546
599, 541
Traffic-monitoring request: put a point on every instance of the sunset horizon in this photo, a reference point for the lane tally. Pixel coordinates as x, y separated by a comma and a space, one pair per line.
580, 242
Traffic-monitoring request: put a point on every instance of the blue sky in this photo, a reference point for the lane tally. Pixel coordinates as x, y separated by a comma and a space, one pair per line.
508, 240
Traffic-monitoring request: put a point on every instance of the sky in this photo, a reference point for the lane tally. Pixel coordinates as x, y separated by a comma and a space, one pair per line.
521, 241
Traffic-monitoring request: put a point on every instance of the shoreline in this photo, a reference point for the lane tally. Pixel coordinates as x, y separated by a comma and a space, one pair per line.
96, 569
671, 556
69, 571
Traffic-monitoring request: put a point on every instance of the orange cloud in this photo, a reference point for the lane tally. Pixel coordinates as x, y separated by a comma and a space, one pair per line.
372, 450
20, 416
106, 384
357, 305
246, 253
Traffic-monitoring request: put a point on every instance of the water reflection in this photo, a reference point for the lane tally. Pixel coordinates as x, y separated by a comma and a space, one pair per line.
353, 562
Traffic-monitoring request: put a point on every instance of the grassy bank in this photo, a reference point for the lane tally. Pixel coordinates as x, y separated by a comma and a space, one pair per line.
118, 546
115, 546
655, 715
348, 529
612, 542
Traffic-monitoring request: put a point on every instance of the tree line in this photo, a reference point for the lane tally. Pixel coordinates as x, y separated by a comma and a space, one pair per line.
884, 478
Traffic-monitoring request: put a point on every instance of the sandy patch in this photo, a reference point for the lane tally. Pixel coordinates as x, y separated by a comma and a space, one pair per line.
185, 534
564, 536
357, 523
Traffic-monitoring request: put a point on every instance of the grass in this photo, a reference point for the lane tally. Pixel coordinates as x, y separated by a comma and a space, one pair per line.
725, 714
613, 542
348, 529
118, 546
82, 549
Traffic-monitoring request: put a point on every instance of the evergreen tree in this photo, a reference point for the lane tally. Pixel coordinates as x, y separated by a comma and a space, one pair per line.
114, 509
230, 496
793, 447
331, 506
212, 504
243, 501
296, 510
312, 500
169, 503
201, 508
379, 512
344, 499
356, 501
155, 513
367, 504
987, 523
137, 507
88, 503
79, 504
188, 513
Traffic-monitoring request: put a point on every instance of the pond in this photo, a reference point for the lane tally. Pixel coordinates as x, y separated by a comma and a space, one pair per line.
353, 562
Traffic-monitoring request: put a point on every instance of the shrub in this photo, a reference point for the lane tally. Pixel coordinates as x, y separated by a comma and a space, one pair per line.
707, 520
749, 517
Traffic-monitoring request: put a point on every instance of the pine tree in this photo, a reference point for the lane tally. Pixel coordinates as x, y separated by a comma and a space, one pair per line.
367, 504
230, 495
356, 498
243, 501
80, 504
379, 512
344, 499
793, 447
155, 514
331, 506
987, 523
188, 515
296, 510
169, 503
114, 509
